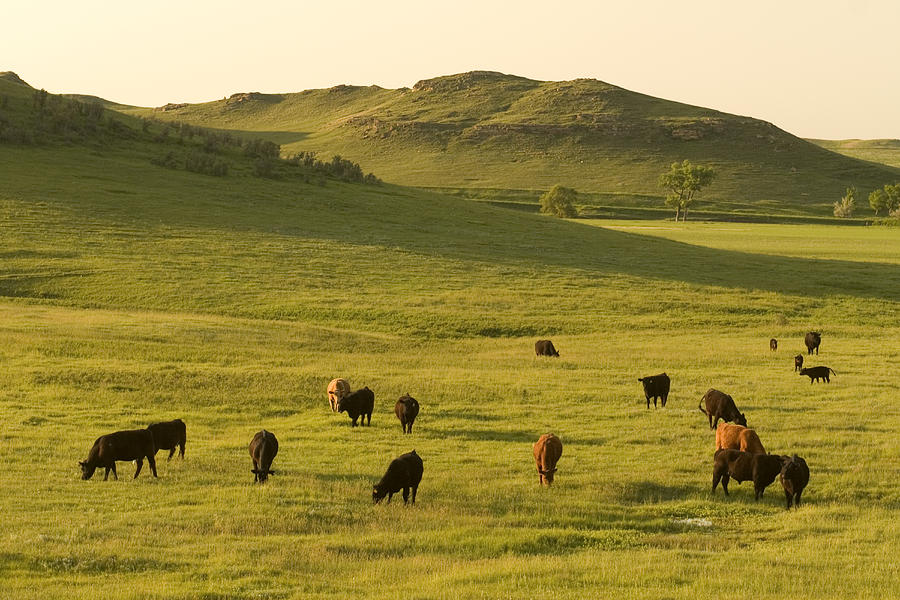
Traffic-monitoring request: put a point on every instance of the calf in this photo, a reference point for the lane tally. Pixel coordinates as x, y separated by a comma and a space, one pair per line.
773, 344
762, 469
337, 389
656, 386
358, 404
406, 409
738, 438
720, 405
798, 362
547, 451
404, 473
545, 348
136, 445
794, 477
169, 435
815, 373
263, 448
812, 340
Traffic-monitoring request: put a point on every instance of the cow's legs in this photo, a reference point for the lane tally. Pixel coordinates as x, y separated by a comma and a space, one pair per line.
725, 483
151, 460
140, 463
171, 453
414, 490
106, 475
406, 495
113, 467
788, 497
182, 449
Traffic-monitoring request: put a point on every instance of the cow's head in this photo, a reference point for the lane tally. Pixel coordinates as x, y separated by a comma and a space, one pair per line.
262, 474
548, 475
87, 470
804, 371
378, 494
741, 419
339, 405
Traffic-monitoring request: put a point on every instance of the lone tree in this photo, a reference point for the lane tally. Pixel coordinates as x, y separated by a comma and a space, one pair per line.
682, 182
845, 207
886, 199
559, 202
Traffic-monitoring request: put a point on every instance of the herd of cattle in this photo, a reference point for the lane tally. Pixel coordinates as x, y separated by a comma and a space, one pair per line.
739, 453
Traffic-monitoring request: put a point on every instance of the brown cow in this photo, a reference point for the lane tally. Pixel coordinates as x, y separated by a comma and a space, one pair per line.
720, 405
794, 478
798, 362
812, 340
762, 469
545, 348
547, 451
773, 344
738, 438
135, 445
337, 389
406, 409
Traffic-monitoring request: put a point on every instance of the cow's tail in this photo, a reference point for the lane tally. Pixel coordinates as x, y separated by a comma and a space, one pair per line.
700, 406
832, 371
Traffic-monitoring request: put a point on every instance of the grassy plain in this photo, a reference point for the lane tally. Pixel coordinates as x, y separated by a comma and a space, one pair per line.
880, 151
132, 293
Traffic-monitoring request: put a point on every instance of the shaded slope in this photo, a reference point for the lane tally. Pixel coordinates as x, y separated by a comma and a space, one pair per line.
489, 130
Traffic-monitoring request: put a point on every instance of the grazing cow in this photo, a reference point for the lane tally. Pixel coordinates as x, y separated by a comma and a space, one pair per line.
404, 473
547, 451
656, 386
136, 445
794, 477
406, 410
169, 435
358, 404
812, 341
263, 448
762, 469
545, 348
738, 438
720, 405
816, 373
798, 362
337, 389
773, 344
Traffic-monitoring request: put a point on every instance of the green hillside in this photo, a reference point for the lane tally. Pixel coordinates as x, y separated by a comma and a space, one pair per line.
486, 130
879, 151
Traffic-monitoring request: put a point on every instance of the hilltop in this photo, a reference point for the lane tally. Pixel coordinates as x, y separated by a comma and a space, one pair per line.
484, 129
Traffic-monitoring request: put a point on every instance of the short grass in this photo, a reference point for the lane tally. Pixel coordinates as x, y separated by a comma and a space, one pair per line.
132, 294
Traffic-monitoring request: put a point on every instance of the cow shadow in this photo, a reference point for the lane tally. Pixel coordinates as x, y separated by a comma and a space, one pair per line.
643, 492
488, 435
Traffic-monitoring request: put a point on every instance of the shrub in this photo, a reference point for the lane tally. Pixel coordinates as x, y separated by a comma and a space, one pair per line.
844, 208
201, 162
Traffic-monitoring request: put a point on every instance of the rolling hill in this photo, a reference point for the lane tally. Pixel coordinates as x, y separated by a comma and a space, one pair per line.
492, 133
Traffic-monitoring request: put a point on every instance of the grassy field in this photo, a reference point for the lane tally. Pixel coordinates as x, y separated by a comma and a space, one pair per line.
131, 293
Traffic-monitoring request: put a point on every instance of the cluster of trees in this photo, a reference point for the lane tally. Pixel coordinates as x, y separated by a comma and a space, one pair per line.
559, 201
886, 200
338, 168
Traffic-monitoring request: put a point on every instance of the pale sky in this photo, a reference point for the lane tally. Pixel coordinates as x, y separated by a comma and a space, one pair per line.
825, 69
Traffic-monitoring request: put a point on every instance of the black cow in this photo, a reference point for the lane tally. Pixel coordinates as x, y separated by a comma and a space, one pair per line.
656, 386
358, 404
762, 469
136, 445
812, 341
816, 373
773, 344
720, 405
263, 448
169, 435
545, 348
403, 473
798, 362
406, 409
794, 477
